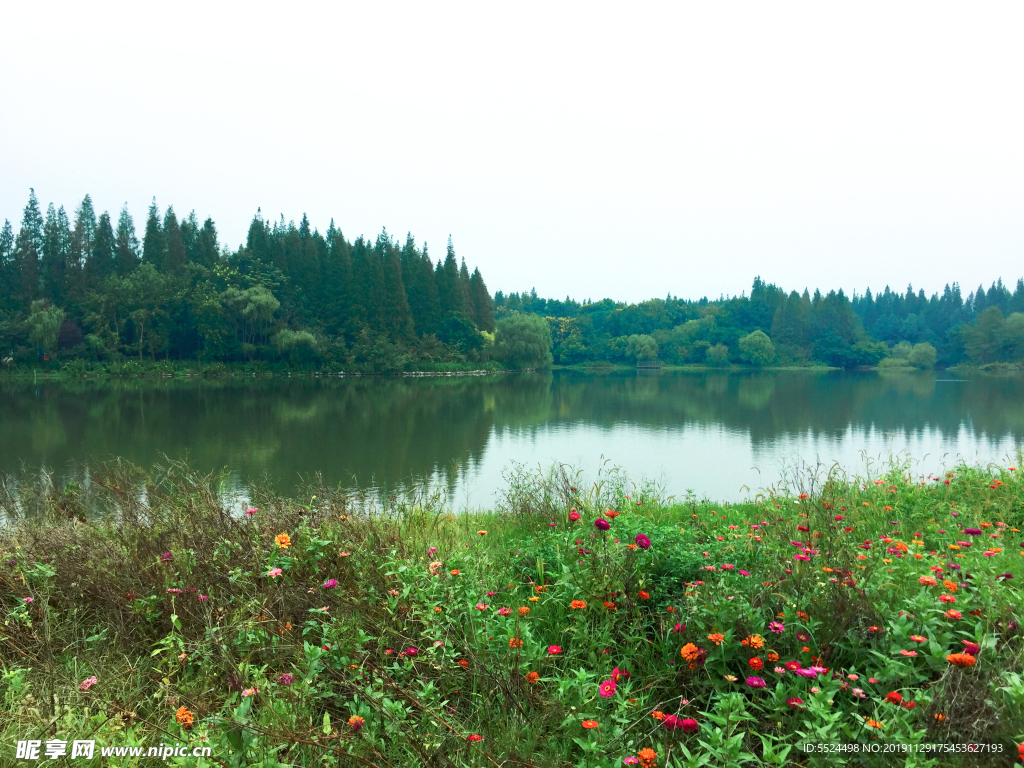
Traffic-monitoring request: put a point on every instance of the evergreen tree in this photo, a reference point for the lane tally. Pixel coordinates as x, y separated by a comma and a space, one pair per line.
174, 244
28, 248
483, 307
153, 242
101, 262
7, 268
57, 240
451, 297
126, 244
337, 282
397, 317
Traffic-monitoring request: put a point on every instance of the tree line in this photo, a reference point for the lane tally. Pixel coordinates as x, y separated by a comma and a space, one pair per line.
90, 287
769, 325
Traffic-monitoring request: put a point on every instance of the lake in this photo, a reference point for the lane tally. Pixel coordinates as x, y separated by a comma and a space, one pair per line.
721, 435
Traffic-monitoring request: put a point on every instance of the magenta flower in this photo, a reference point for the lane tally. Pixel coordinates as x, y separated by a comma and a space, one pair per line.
88, 683
482, 606
28, 599
607, 688
973, 531
285, 679
251, 511
755, 682
166, 557
795, 703
574, 516
642, 541
330, 584
554, 650
203, 598
601, 524
777, 627
411, 651
173, 591
504, 611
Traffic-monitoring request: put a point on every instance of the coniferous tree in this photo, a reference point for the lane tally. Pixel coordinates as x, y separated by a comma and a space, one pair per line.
466, 291
153, 242
451, 298
483, 307
28, 248
56, 252
7, 269
337, 282
396, 316
100, 264
126, 244
174, 244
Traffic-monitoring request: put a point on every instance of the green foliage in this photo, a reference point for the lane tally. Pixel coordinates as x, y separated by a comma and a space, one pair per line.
717, 355
523, 341
43, 322
922, 356
641, 347
757, 348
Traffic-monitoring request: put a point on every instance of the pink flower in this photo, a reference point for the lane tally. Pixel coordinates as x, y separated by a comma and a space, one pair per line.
203, 598
755, 682
642, 541
330, 584
574, 516
607, 688
554, 650
620, 674
251, 511
504, 611
411, 651
601, 524
166, 557
795, 703
27, 600
274, 573
482, 606
250, 692
173, 591
88, 683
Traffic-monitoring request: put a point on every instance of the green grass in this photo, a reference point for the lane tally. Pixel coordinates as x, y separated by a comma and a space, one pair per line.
274, 670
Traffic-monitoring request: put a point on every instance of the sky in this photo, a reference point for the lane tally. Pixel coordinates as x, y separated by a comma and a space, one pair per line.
627, 150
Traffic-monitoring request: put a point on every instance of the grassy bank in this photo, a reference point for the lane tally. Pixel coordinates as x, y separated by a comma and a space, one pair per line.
579, 624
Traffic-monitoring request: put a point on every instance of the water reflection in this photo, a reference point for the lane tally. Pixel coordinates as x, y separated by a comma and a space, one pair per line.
712, 432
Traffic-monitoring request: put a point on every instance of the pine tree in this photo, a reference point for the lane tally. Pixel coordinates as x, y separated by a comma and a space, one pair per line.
28, 248
175, 257
396, 317
100, 264
153, 244
7, 268
126, 244
337, 280
451, 298
483, 307
57, 240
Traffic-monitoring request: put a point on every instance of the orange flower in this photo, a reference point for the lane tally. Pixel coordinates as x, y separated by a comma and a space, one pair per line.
773, 657
540, 588
690, 652
755, 664
716, 638
534, 599
609, 606
803, 615
523, 611
283, 540
532, 677
950, 585
658, 715
356, 722
454, 572
754, 641
184, 716
577, 604
588, 724
647, 757
940, 717
515, 642
961, 660
875, 724
644, 595
437, 609
463, 663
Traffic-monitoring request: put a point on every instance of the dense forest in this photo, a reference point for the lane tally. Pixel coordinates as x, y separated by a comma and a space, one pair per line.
771, 326
91, 289
88, 289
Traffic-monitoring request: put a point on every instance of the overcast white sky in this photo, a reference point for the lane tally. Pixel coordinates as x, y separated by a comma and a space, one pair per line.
627, 150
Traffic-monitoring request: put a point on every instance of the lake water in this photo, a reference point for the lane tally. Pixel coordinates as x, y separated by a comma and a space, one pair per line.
721, 435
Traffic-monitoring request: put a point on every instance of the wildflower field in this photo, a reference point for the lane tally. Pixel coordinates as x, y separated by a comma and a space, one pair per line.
577, 625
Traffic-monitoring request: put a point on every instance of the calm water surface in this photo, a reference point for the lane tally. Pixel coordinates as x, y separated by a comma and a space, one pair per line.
718, 434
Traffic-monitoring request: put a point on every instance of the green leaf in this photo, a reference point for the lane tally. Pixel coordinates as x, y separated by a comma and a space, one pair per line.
327, 723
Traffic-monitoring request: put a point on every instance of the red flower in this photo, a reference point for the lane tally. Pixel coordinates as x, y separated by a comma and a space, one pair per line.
893, 697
